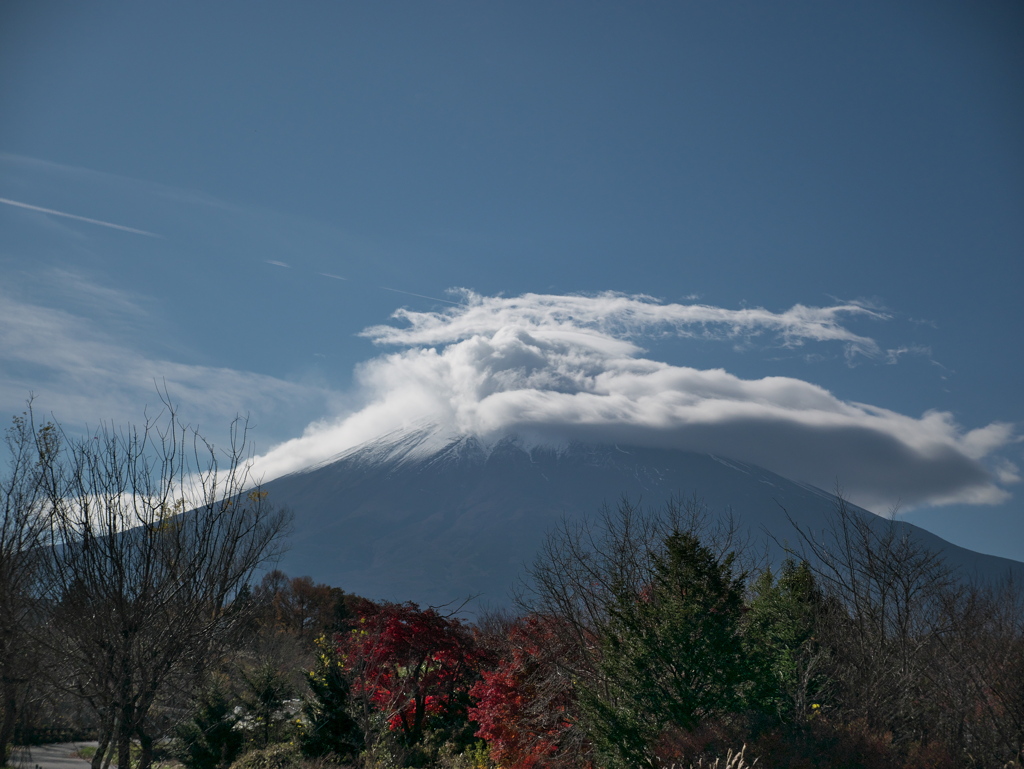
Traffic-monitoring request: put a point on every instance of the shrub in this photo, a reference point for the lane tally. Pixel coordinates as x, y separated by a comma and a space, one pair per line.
209, 739
329, 727
282, 756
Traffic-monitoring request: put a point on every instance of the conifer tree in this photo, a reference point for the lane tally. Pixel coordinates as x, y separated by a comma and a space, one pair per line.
209, 738
672, 656
780, 630
330, 727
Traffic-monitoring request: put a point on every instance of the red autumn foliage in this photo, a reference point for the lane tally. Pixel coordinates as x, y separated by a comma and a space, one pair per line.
415, 666
524, 705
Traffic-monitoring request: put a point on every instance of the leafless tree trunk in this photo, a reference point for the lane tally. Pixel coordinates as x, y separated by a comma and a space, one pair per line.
30, 452
981, 664
153, 534
887, 594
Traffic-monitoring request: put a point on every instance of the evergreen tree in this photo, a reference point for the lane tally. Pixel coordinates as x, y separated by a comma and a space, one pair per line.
780, 632
267, 705
209, 738
330, 727
672, 656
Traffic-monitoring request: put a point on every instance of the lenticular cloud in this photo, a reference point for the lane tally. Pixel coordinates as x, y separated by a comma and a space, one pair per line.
553, 369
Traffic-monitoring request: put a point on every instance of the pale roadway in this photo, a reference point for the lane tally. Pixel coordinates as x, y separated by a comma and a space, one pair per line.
50, 756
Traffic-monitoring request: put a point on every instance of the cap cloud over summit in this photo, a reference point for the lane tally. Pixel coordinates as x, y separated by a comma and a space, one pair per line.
559, 368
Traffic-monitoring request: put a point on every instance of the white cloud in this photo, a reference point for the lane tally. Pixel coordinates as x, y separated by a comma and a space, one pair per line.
78, 368
612, 314
558, 368
549, 368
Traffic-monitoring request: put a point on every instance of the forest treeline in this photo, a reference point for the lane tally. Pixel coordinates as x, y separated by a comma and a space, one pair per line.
638, 638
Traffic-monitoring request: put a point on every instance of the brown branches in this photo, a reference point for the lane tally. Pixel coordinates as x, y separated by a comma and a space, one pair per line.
152, 533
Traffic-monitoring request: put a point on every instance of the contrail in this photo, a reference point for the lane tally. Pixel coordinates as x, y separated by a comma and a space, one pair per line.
79, 218
421, 296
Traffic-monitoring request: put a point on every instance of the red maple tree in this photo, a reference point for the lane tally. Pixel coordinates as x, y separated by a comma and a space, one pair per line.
524, 705
413, 665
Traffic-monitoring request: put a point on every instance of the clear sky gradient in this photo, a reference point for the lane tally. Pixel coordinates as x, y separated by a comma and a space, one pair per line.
223, 196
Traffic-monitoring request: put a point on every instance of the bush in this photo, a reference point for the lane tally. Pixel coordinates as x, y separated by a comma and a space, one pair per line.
209, 739
330, 729
281, 756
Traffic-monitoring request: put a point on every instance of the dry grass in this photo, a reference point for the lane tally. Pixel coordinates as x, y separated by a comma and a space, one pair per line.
731, 761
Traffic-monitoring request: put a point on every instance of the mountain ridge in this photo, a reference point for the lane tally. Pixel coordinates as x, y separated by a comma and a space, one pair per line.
431, 517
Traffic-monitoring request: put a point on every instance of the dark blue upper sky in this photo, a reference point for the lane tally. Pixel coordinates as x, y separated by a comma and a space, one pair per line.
733, 155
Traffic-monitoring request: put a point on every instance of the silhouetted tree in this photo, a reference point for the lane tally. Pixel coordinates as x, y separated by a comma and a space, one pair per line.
154, 533
977, 666
31, 453
209, 738
886, 593
588, 572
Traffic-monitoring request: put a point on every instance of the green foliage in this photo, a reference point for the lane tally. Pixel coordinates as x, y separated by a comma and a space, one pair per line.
209, 739
268, 705
330, 727
780, 630
476, 755
671, 656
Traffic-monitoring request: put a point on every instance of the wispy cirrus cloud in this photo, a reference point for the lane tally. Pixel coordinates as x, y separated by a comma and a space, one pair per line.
560, 368
76, 360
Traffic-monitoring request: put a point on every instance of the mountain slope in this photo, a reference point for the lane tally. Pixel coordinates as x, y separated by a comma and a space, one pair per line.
419, 517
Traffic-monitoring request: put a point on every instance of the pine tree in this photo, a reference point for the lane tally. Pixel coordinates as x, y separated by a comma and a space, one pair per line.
780, 632
330, 727
209, 738
672, 656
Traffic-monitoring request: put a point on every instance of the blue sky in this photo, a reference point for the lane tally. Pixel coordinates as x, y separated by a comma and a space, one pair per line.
283, 177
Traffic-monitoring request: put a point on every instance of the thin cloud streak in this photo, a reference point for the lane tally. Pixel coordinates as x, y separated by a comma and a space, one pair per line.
421, 296
78, 371
553, 369
101, 223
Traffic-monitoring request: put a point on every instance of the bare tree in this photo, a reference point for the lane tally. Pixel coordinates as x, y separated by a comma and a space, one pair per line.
887, 595
979, 666
154, 533
29, 452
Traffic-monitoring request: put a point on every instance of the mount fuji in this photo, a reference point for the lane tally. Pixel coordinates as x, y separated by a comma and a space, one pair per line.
433, 518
